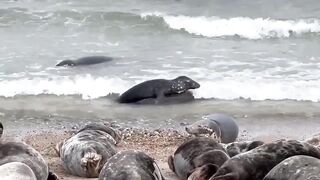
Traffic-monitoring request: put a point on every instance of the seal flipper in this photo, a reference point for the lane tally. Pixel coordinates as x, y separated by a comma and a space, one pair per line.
204, 172
171, 164
91, 164
229, 176
58, 146
52, 176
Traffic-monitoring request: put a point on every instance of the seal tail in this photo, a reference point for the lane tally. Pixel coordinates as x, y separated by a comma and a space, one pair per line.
91, 164
1, 129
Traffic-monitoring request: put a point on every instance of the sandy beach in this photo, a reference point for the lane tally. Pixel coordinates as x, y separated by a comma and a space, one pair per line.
158, 144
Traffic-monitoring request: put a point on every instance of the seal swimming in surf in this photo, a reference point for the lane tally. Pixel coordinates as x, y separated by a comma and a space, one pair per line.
296, 168
222, 126
20, 152
85, 61
131, 165
158, 89
16, 171
194, 153
236, 148
255, 164
85, 153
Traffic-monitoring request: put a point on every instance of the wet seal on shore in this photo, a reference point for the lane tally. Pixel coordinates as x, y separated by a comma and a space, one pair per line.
158, 89
184, 97
16, 171
85, 153
255, 164
195, 153
89, 60
222, 126
296, 168
19, 152
236, 148
131, 165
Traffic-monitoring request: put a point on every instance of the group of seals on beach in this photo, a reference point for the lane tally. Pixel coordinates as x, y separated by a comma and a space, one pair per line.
20, 161
92, 153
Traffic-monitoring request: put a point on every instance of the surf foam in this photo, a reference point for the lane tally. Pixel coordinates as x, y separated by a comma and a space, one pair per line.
244, 27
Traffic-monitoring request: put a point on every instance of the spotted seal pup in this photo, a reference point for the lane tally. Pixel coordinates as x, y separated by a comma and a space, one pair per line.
236, 148
255, 164
20, 152
131, 165
85, 61
194, 153
158, 89
85, 153
222, 126
16, 171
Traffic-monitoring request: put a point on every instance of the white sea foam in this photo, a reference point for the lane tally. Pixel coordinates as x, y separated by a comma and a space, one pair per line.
244, 27
90, 87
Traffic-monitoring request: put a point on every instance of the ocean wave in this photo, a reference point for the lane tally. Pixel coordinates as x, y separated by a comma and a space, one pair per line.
244, 27
89, 87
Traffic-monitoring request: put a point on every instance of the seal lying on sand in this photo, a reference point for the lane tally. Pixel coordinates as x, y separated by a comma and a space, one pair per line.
255, 164
158, 88
296, 168
131, 165
85, 61
22, 153
195, 153
236, 148
85, 153
16, 171
222, 126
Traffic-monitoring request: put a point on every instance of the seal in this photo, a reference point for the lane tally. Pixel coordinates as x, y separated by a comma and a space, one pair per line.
15, 171
222, 126
296, 168
20, 152
85, 61
158, 89
131, 164
236, 148
195, 153
255, 164
85, 153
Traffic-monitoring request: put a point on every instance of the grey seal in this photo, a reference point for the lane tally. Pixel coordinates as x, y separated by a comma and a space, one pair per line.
236, 148
131, 165
11, 151
16, 171
184, 97
85, 153
90, 60
296, 168
222, 126
158, 89
255, 164
195, 153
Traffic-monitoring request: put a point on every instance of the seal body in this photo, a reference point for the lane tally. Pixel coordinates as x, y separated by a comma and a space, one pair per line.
85, 153
255, 164
158, 89
195, 153
296, 168
16, 171
222, 126
131, 165
20, 152
85, 61
184, 97
236, 148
